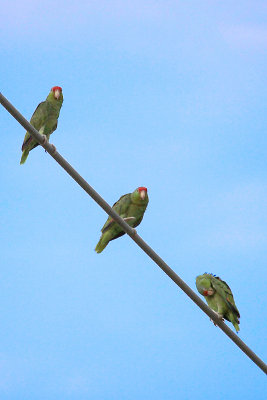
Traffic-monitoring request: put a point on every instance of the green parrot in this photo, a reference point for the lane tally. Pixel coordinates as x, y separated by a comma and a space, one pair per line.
131, 207
44, 119
219, 297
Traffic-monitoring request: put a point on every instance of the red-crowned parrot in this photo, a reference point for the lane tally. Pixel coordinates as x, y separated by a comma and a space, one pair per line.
131, 207
44, 119
219, 297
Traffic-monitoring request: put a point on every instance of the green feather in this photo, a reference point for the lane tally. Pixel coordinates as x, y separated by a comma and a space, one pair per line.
44, 119
130, 207
219, 297
24, 156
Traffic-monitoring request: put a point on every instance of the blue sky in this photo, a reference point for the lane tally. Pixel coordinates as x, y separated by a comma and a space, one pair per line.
170, 95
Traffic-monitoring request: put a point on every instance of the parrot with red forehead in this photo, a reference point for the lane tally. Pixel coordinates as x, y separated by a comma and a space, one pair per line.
131, 207
44, 119
219, 297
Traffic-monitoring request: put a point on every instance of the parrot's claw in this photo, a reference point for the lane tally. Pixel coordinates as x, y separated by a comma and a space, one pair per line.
219, 316
213, 322
44, 139
134, 232
128, 218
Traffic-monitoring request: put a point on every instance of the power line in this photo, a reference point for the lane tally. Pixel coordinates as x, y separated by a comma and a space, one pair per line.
131, 232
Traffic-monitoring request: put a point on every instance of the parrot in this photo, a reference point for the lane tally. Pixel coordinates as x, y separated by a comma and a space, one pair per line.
131, 207
44, 119
219, 297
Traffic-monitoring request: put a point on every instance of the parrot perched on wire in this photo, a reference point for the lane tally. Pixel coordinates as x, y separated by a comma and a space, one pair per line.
219, 297
131, 207
44, 119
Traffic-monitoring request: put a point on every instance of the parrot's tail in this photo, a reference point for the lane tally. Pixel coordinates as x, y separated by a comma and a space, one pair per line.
235, 321
24, 156
236, 327
103, 242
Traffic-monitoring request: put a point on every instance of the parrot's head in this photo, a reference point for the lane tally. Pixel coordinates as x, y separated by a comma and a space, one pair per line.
140, 195
203, 284
57, 92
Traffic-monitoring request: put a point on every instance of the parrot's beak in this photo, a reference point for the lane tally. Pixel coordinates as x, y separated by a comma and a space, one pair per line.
57, 94
143, 194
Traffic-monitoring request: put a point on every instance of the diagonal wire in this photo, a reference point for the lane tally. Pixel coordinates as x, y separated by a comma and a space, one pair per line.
131, 232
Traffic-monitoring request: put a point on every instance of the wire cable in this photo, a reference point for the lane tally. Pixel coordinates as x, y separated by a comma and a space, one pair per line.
50, 148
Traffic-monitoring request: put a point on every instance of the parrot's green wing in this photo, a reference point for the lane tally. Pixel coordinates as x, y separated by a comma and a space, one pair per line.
40, 114
27, 140
44, 120
120, 207
40, 119
37, 120
45, 114
131, 208
225, 292
138, 220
